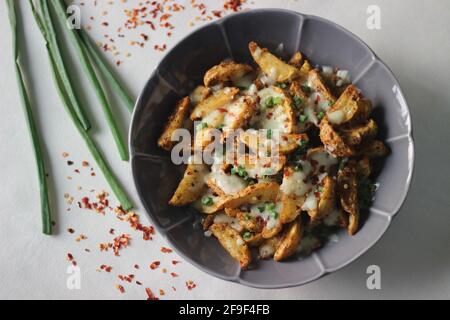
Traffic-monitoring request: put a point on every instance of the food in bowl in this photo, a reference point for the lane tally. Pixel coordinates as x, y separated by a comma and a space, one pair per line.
275, 154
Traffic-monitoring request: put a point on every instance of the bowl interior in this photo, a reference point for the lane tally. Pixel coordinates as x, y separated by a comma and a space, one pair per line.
324, 43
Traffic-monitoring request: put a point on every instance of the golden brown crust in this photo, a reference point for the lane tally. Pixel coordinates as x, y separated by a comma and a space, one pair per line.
232, 241
175, 122
289, 243
191, 186
225, 72
333, 142
348, 193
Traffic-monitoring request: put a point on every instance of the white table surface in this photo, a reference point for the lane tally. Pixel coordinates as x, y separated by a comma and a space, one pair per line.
413, 255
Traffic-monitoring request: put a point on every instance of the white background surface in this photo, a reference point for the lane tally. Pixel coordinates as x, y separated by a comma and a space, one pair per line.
414, 254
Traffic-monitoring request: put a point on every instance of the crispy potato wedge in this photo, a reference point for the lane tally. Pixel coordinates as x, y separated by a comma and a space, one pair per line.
253, 194
297, 60
316, 83
268, 233
199, 94
257, 167
359, 134
351, 107
239, 114
291, 203
225, 72
248, 222
373, 149
304, 70
321, 161
191, 186
268, 247
232, 241
205, 137
287, 142
348, 193
271, 65
225, 184
278, 116
333, 142
255, 240
210, 208
326, 202
175, 122
290, 241
218, 100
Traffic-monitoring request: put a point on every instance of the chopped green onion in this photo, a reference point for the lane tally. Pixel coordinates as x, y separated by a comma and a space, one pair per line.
270, 206
306, 89
81, 50
298, 167
242, 88
281, 85
303, 118
207, 201
107, 72
269, 103
247, 235
320, 115
96, 154
220, 127
269, 134
277, 100
273, 214
298, 101
261, 209
202, 126
33, 131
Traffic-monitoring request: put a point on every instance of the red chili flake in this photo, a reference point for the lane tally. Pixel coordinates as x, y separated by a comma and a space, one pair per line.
166, 250
85, 164
139, 283
136, 266
175, 262
106, 268
155, 265
69, 257
112, 231
65, 155
161, 292
150, 294
174, 275
70, 163
105, 24
70, 230
190, 285
120, 288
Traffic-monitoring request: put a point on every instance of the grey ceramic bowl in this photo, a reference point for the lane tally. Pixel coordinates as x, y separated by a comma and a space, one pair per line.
325, 43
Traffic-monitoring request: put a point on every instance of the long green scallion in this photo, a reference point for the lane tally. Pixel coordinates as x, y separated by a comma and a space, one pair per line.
45, 203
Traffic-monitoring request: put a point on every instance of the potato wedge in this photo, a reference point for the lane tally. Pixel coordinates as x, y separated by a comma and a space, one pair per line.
326, 201
225, 72
219, 99
373, 149
323, 96
176, 121
199, 94
206, 206
271, 65
286, 142
333, 142
253, 239
232, 241
225, 184
239, 114
337, 218
297, 60
257, 167
248, 222
275, 111
350, 107
269, 246
204, 137
359, 134
270, 232
290, 241
304, 70
291, 196
321, 161
348, 192
253, 194
191, 186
